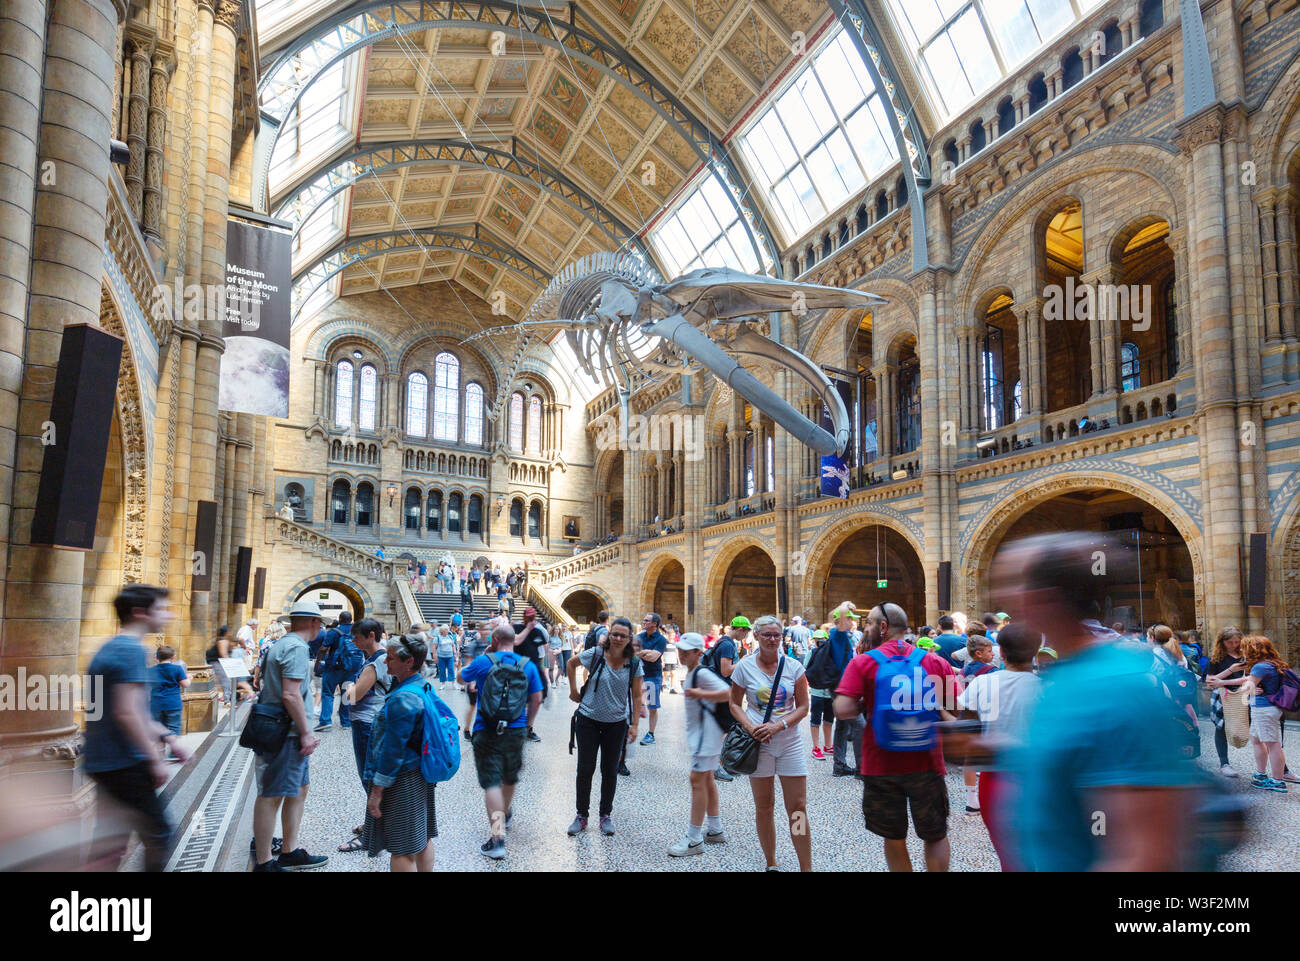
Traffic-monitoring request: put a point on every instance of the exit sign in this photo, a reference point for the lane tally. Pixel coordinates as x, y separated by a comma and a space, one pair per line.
882, 584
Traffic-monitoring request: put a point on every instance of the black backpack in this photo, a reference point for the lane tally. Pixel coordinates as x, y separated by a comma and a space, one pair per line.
593, 636
824, 672
710, 660
503, 694
721, 710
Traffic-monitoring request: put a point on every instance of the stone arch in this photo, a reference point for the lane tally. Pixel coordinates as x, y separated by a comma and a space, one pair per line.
1278, 135
824, 542
984, 534
350, 588
985, 300
1060, 179
606, 600
322, 341
1284, 581
1138, 220
654, 569
135, 447
715, 579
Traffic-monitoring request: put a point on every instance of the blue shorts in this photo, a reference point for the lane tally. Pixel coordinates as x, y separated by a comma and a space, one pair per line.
283, 774
653, 686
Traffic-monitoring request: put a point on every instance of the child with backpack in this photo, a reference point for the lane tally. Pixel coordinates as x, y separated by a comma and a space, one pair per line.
1276, 688
708, 716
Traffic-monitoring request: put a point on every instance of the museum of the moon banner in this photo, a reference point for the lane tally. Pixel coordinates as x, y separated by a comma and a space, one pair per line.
255, 366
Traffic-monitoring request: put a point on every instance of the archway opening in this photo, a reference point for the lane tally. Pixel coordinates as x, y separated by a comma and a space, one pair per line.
1145, 305
1000, 379
749, 586
866, 445
1067, 359
1162, 587
667, 593
582, 607
327, 593
866, 560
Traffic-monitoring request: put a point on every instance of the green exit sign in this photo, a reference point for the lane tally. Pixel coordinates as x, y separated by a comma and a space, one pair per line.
882, 584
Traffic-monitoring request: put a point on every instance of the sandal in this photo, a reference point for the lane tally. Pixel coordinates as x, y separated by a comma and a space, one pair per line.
357, 831
356, 844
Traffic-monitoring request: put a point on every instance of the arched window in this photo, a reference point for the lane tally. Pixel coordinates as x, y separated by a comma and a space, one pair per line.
749, 464
535, 425
1130, 373
978, 137
341, 496
535, 520
475, 514
474, 414
516, 518
1071, 69
517, 422
909, 406
1152, 17
343, 394
365, 504
770, 458
411, 510
417, 405
1006, 116
1171, 329
433, 513
1015, 398
454, 502
367, 399
446, 396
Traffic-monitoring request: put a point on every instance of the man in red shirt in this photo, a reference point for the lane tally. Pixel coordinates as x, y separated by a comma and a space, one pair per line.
892, 779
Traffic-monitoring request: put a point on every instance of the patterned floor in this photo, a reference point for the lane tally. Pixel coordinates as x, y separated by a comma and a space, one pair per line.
651, 810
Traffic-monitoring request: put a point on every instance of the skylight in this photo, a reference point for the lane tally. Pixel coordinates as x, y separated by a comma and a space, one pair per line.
963, 47
321, 122
822, 140
705, 231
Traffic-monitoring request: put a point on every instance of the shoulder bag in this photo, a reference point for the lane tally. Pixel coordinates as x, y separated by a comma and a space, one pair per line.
739, 748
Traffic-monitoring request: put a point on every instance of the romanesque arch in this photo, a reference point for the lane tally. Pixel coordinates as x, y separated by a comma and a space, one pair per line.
985, 532
821, 548
353, 590
663, 586
721, 567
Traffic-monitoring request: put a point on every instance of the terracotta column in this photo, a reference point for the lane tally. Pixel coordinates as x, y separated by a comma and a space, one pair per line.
42, 595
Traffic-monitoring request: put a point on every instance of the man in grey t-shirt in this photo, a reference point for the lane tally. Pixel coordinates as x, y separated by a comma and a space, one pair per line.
282, 777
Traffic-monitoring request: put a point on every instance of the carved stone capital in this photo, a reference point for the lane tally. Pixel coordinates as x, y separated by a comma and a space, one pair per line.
1204, 128
227, 13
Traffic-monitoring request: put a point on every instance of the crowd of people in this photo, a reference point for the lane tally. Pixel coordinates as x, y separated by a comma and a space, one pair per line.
1051, 715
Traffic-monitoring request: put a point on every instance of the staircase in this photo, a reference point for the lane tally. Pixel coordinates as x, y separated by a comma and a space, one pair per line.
439, 607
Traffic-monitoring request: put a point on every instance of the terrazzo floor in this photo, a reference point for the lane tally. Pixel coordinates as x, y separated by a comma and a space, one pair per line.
651, 809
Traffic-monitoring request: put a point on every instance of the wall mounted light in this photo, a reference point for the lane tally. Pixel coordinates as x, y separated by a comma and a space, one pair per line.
501, 503
392, 492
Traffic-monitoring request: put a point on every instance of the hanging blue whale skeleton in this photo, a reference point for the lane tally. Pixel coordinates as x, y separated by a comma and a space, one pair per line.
627, 327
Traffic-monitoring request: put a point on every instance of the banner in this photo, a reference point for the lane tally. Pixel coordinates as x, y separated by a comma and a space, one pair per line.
255, 366
835, 470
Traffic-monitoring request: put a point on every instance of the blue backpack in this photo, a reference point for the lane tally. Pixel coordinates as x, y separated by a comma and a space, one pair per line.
900, 718
440, 753
345, 655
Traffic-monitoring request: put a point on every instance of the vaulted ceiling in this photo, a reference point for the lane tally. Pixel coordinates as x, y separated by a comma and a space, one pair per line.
529, 147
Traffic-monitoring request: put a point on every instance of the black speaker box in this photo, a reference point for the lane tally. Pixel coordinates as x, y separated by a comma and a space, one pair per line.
1258, 585
205, 542
81, 419
945, 585
243, 568
259, 589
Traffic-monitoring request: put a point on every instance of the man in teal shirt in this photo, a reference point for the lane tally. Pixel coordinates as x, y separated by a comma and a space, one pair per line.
1099, 782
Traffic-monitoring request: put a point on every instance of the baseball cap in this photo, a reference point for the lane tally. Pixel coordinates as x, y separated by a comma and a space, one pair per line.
690, 642
530, 612
305, 607
456, 620
820, 635
1002, 616
741, 621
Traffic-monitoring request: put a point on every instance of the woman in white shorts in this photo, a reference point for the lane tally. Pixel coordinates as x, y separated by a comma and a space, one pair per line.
783, 747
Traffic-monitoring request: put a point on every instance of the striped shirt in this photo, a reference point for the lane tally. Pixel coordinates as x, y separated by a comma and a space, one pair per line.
606, 699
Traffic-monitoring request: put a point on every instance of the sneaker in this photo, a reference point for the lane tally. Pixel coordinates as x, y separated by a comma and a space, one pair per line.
842, 772
607, 823
510, 813
271, 865
276, 844
721, 775
971, 812
686, 847
300, 860
773, 867
622, 769
1228, 771
323, 726
818, 754
1258, 778
532, 736
1288, 776
1273, 784
715, 837
673, 690
578, 826
648, 739
494, 848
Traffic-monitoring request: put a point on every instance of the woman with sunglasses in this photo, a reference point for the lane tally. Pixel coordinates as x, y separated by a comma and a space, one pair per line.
400, 814
605, 720
783, 748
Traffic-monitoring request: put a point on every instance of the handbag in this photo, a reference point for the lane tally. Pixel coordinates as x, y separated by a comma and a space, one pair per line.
739, 747
1236, 717
266, 729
